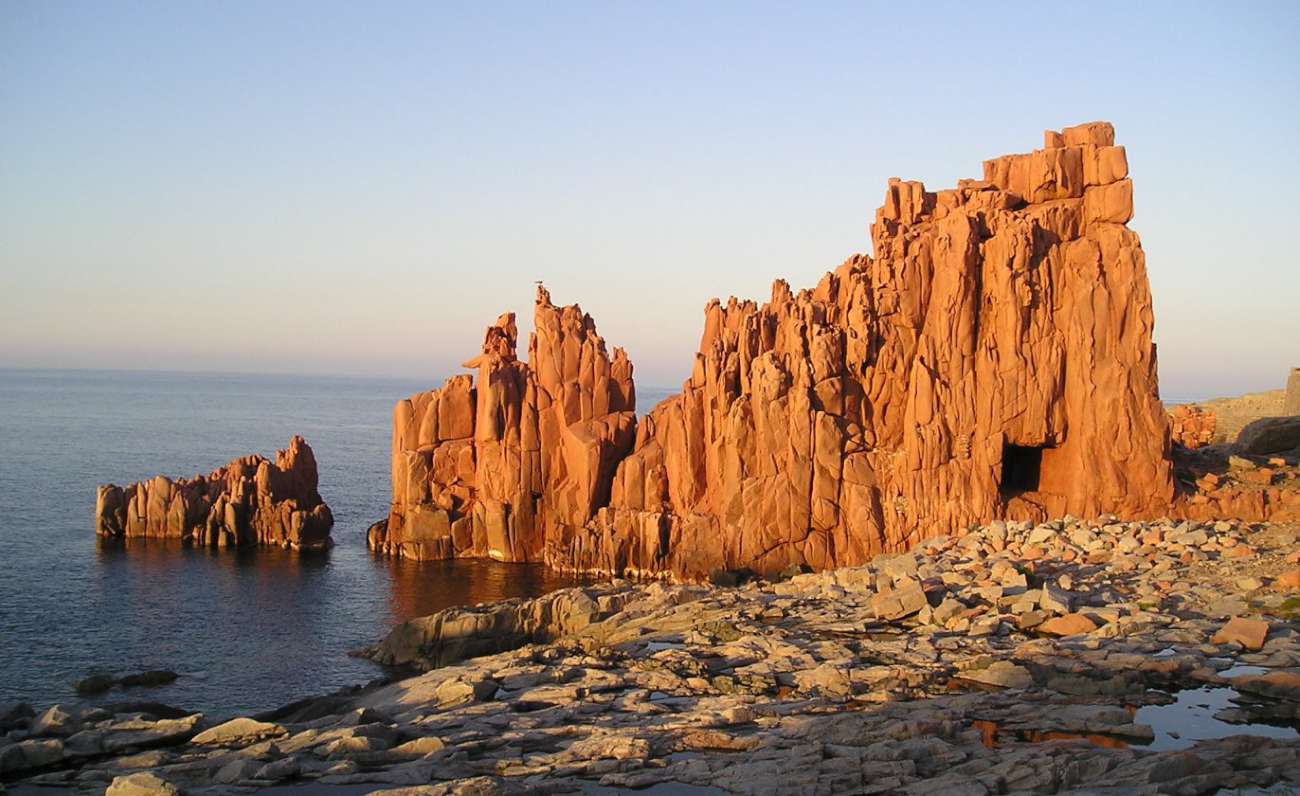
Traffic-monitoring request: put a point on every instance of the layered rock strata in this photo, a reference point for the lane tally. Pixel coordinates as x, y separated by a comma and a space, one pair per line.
252, 500
993, 359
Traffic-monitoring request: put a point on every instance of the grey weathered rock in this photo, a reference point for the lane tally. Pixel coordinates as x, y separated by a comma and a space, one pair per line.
1270, 435
95, 684
149, 679
55, 721
30, 755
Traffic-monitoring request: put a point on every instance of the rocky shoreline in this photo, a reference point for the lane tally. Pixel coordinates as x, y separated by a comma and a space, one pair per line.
1063, 657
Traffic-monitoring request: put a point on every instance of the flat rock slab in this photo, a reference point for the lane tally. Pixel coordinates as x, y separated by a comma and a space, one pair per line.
1249, 633
239, 731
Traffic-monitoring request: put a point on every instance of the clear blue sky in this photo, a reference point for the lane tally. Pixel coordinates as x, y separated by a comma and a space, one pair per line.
361, 188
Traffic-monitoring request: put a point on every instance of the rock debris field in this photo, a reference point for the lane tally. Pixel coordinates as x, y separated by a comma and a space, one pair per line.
1064, 657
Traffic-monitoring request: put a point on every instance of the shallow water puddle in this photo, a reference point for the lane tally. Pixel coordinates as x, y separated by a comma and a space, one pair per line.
992, 735
1190, 717
660, 646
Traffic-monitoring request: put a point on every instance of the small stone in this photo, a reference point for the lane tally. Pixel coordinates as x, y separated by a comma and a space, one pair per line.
1288, 580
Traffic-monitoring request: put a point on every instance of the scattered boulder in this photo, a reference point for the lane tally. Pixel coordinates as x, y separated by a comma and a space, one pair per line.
54, 721
1270, 435
1249, 633
141, 784
1003, 674
30, 755
901, 601
239, 731
1068, 625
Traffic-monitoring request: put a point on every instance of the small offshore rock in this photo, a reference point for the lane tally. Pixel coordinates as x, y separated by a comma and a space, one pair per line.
95, 684
1068, 625
149, 679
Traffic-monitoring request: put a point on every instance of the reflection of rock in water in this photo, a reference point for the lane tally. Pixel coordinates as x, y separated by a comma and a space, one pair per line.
1197, 714
420, 588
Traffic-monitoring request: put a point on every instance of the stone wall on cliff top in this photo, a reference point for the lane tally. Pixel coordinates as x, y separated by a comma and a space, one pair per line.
251, 500
993, 359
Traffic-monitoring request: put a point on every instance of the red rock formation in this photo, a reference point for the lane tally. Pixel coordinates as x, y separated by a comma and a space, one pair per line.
994, 359
1191, 426
487, 470
249, 501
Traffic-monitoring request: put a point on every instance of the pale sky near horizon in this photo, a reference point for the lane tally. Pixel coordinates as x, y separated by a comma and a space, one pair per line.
361, 188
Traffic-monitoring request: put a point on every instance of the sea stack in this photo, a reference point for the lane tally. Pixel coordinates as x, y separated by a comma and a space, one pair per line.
249, 501
992, 359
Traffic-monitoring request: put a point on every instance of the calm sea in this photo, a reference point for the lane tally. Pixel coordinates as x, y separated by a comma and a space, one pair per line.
247, 630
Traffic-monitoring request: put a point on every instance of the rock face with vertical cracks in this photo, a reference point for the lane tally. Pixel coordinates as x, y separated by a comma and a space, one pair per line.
494, 470
994, 359
252, 500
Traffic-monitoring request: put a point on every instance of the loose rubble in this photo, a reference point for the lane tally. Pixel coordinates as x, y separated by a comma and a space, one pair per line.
1015, 659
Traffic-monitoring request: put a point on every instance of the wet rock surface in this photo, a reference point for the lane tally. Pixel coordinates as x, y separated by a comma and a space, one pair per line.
803, 685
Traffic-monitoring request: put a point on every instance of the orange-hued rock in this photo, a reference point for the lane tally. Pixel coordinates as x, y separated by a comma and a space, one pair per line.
1068, 625
1249, 633
993, 359
252, 500
498, 468
1192, 426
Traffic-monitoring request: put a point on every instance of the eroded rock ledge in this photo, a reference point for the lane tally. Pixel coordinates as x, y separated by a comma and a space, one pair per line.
993, 359
252, 500
1018, 658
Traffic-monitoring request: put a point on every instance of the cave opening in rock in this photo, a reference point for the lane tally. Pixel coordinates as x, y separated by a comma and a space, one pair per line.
1021, 466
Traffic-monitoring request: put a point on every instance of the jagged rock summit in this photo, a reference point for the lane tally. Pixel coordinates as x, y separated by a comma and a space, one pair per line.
993, 359
251, 500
